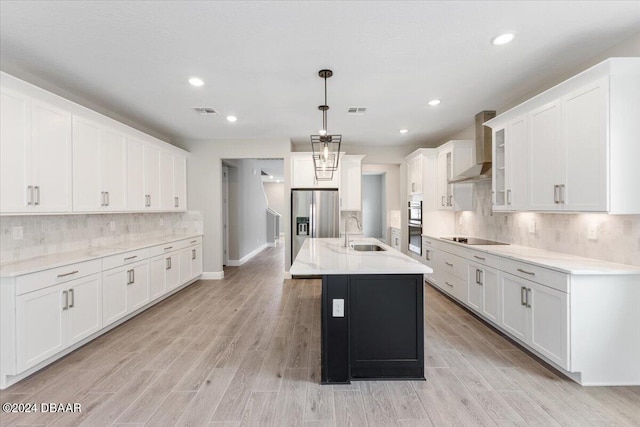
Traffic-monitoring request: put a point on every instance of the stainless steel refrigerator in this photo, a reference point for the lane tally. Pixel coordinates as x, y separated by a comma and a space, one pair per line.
314, 213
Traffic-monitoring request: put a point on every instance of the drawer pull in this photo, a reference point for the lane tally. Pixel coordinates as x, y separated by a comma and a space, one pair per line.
427, 242
448, 284
167, 248
449, 264
68, 274
526, 272
194, 241
131, 257
480, 258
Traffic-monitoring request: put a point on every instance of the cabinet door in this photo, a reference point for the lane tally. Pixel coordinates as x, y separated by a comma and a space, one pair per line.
443, 196
157, 285
196, 261
475, 292
166, 181
51, 145
15, 153
84, 316
546, 160
516, 165
185, 265
172, 270
135, 175
180, 182
514, 310
499, 169
491, 294
151, 177
87, 165
303, 172
549, 323
351, 184
114, 169
138, 287
585, 131
114, 294
40, 325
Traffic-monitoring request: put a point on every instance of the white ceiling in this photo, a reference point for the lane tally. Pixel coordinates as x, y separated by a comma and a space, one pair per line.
273, 167
260, 60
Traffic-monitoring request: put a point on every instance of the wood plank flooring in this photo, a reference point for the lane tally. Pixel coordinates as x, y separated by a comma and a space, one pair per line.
245, 351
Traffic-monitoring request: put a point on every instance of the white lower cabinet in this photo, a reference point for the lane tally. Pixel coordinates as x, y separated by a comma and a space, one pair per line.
125, 290
536, 315
484, 291
196, 261
157, 283
50, 319
172, 270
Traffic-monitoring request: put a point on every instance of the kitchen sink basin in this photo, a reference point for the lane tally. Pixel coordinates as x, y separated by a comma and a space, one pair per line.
368, 248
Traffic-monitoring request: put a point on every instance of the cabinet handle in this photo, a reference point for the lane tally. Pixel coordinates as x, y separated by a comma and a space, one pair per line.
168, 247
479, 257
193, 254
508, 197
427, 255
102, 198
561, 193
477, 276
556, 190
168, 263
340, 201
413, 187
128, 277
528, 297
65, 295
523, 296
72, 298
29, 194
68, 274
442, 202
131, 257
37, 190
449, 264
450, 203
194, 241
526, 272
481, 277
147, 200
427, 242
176, 202
448, 284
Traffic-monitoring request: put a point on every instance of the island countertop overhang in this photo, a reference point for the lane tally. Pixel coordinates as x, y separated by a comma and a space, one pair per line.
322, 256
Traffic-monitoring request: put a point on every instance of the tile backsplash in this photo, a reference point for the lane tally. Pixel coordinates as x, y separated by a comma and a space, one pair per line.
47, 234
618, 236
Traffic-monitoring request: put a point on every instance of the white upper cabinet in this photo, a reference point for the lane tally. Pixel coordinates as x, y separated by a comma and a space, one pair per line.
136, 199
99, 167
172, 181
303, 173
510, 166
414, 174
454, 157
351, 183
151, 170
35, 152
582, 144
180, 182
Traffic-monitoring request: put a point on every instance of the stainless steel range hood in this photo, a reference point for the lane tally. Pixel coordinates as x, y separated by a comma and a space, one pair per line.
481, 171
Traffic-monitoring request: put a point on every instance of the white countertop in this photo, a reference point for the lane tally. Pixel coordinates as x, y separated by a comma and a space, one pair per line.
44, 262
565, 263
328, 256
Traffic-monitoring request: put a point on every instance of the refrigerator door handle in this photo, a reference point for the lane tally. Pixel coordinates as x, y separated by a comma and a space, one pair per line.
312, 221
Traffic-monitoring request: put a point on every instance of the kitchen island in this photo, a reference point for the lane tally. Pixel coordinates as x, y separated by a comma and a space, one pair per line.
372, 309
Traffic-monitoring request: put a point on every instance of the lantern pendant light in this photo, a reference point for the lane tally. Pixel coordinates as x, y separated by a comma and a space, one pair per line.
325, 147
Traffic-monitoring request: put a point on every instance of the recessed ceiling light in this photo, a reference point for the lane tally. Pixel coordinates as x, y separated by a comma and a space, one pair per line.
232, 118
434, 102
277, 180
194, 81
270, 176
503, 39
404, 130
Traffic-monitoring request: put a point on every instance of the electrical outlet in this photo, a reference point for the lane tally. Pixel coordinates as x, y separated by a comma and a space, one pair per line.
592, 231
17, 232
112, 225
338, 308
532, 227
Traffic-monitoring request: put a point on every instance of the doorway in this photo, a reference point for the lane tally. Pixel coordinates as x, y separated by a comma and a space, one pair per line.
374, 205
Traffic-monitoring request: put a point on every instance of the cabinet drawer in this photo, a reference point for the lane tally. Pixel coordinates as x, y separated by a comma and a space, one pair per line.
483, 258
451, 264
544, 276
55, 276
125, 258
454, 286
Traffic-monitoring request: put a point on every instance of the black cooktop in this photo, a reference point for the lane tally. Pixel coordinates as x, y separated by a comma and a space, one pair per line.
473, 241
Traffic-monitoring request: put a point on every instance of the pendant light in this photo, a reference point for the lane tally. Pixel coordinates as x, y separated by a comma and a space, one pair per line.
325, 147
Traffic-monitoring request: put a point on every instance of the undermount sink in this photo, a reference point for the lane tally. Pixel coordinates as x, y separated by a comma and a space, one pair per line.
368, 248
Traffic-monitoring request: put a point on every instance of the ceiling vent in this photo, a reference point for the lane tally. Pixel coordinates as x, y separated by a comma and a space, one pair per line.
206, 111
263, 173
357, 111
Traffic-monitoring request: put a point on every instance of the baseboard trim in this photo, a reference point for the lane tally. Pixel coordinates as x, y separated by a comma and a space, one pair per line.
287, 275
239, 262
271, 244
212, 275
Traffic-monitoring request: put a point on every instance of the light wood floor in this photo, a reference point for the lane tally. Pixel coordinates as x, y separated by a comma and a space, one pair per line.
246, 351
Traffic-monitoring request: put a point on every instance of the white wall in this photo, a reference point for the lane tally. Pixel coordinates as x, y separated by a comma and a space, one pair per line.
205, 187
276, 199
373, 206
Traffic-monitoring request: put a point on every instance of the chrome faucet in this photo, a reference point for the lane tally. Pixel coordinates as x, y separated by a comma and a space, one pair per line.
346, 233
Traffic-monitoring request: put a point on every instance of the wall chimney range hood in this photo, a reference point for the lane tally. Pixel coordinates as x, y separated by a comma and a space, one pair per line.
481, 171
